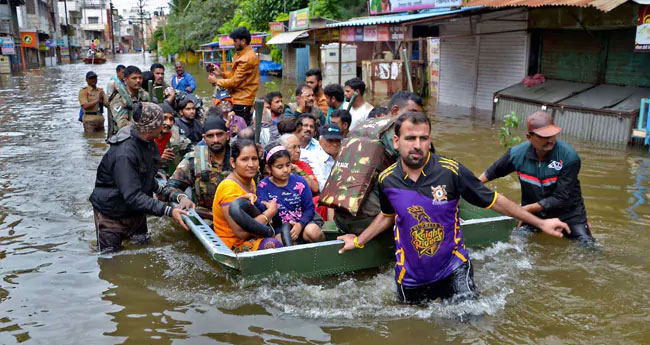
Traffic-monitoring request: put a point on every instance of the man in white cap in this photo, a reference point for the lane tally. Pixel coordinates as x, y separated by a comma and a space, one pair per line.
548, 172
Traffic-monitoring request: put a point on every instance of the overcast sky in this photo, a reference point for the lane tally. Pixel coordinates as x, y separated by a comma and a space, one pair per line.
150, 5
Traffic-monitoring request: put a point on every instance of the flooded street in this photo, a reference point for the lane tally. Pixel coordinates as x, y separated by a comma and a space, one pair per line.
56, 289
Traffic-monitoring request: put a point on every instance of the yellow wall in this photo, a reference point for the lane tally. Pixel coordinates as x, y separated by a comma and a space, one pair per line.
192, 58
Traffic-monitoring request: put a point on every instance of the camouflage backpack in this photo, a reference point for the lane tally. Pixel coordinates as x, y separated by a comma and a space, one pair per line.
351, 188
206, 180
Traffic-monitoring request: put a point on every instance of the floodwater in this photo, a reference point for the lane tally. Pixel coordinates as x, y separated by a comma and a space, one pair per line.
56, 289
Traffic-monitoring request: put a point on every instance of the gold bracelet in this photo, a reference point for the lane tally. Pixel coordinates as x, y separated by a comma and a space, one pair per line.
265, 218
356, 243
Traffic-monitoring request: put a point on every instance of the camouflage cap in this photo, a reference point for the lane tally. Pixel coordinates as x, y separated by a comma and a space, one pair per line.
150, 119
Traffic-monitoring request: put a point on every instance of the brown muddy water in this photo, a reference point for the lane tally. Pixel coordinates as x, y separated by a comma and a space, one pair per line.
56, 289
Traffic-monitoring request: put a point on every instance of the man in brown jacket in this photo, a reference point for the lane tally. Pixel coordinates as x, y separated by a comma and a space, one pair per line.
243, 79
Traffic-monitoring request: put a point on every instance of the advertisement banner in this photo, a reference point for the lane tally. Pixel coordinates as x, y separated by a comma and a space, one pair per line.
370, 33
225, 42
28, 39
347, 34
383, 33
8, 47
642, 41
50, 43
434, 68
299, 19
394, 6
276, 28
358, 33
396, 33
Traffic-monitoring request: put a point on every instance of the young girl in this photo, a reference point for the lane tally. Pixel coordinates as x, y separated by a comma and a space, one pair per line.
293, 197
245, 163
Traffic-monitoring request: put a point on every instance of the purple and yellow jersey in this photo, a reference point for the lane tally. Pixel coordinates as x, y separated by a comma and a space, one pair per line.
428, 237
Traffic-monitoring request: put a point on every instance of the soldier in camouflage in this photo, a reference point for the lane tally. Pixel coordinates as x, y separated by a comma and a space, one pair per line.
125, 98
203, 168
171, 144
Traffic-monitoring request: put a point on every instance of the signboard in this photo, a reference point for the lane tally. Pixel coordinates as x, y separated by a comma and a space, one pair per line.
358, 33
347, 34
434, 68
225, 42
370, 33
394, 6
28, 39
299, 19
8, 46
642, 41
276, 28
5, 66
50, 43
396, 33
383, 33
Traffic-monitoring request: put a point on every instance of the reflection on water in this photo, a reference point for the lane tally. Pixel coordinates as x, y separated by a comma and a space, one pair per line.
55, 288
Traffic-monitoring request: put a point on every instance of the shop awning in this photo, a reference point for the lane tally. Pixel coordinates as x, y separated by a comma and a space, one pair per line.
401, 18
286, 37
603, 5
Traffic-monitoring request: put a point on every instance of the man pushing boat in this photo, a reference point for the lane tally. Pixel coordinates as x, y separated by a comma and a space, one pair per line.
419, 196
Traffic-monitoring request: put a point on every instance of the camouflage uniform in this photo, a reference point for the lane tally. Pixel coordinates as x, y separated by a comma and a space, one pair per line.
351, 188
200, 174
122, 109
180, 145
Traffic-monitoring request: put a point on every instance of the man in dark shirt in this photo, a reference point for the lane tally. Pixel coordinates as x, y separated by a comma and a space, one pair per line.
420, 195
548, 172
126, 183
188, 125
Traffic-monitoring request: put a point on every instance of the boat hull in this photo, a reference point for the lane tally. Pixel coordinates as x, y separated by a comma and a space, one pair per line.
95, 61
480, 228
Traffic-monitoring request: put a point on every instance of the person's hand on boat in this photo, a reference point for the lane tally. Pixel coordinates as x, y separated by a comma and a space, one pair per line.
554, 227
168, 154
177, 216
271, 207
348, 242
295, 231
185, 203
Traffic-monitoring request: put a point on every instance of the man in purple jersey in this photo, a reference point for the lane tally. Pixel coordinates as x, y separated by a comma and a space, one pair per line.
420, 194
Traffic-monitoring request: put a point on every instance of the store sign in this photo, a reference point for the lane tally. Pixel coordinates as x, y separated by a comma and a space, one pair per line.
347, 34
299, 19
50, 43
383, 33
370, 33
28, 39
642, 41
393, 6
434, 68
8, 47
225, 42
396, 33
276, 28
358, 33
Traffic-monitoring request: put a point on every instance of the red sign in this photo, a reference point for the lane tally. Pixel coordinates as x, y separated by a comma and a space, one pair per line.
347, 34
370, 33
276, 28
225, 42
383, 33
28, 39
642, 41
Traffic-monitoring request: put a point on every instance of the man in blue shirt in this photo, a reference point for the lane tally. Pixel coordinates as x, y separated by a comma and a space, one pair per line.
183, 81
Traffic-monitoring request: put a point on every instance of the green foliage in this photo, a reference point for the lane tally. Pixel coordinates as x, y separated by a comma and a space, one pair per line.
276, 53
506, 136
270, 86
237, 20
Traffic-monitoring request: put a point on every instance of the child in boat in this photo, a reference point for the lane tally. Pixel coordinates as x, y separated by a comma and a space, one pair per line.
293, 196
239, 184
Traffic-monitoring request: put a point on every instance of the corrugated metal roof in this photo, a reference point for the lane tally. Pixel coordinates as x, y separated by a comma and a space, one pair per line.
400, 18
603, 5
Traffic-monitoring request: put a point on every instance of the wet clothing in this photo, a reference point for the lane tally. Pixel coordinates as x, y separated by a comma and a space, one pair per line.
580, 232
227, 191
93, 120
126, 180
458, 286
111, 231
243, 80
191, 130
196, 170
122, 107
294, 200
428, 236
183, 82
552, 182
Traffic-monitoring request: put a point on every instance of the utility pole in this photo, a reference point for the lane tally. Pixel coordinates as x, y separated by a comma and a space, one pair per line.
141, 7
183, 30
67, 30
112, 26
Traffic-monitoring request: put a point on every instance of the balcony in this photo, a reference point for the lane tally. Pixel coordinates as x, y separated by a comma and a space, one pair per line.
96, 4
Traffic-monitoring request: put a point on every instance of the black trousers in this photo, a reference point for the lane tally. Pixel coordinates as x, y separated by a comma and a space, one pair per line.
245, 111
580, 232
111, 232
456, 287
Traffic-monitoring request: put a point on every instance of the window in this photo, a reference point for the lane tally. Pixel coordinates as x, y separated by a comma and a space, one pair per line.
30, 7
93, 20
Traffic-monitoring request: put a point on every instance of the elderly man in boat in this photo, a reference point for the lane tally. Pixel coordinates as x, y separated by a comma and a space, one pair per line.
419, 197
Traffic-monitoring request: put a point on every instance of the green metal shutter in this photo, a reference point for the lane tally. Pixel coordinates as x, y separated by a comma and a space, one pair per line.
571, 55
624, 66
